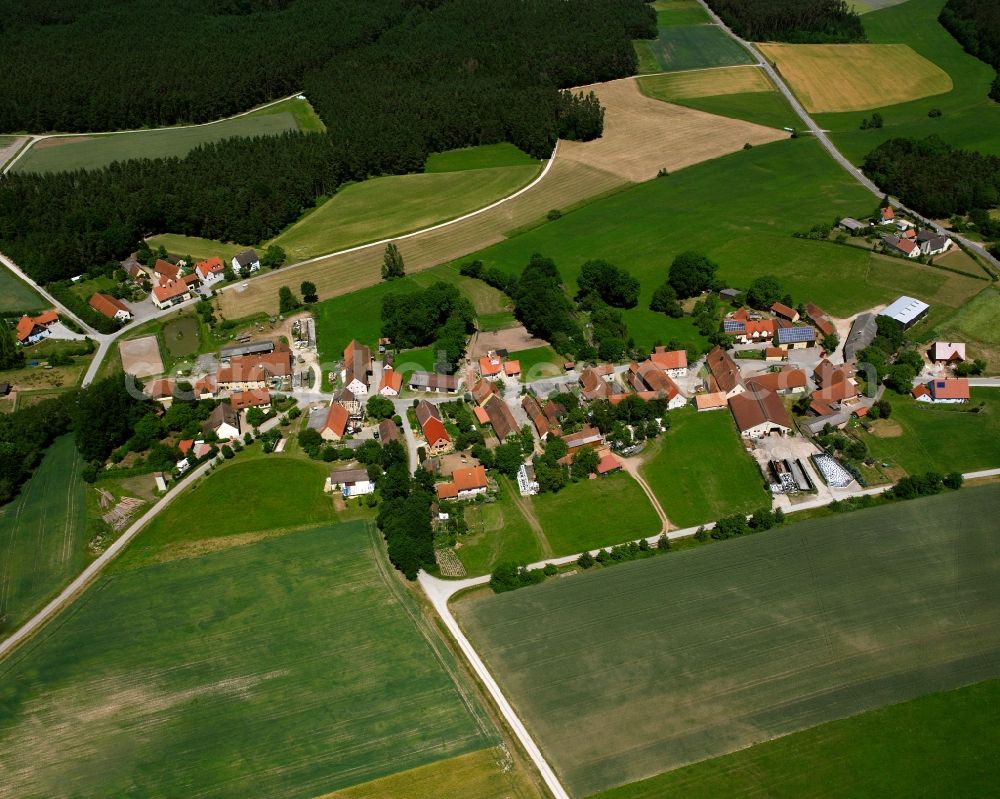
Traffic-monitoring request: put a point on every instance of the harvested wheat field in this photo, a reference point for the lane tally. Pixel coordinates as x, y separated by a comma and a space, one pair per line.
641, 136
856, 77
706, 83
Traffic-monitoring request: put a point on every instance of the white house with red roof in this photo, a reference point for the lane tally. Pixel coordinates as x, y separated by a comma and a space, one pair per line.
947, 390
111, 307
674, 362
31, 329
210, 270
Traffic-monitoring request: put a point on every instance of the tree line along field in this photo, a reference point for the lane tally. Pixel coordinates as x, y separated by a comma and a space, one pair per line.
741, 210
937, 745
66, 153
625, 673
42, 535
738, 92
922, 437
684, 470
285, 666
969, 119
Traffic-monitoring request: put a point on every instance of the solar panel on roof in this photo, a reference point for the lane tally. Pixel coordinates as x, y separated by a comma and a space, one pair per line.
794, 334
733, 326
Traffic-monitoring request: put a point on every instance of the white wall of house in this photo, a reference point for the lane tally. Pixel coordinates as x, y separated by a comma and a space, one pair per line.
226, 431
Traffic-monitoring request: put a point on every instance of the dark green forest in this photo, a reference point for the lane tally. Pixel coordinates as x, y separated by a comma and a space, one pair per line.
934, 178
446, 74
976, 26
821, 21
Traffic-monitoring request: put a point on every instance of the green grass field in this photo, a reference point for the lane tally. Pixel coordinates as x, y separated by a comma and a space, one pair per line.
679, 12
198, 248
700, 472
248, 495
719, 208
498, 531
764, 108
293, 666
680, 47
939, 745
975, 323
485, 156
595, 513
43, 535
969, 118
16, 295
923, 437
625, 673
397, 204
92, 152
538, 362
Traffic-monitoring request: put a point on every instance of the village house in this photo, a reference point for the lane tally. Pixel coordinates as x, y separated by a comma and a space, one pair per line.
388, 431
465, 484
223, 421
205, 387
932, 243
357, 367
246, 261
434, 382
714, 401
820, 319
587, 438
490, 365
948, 390
862, 333
782, 310
160, 390
483, 390
335, 426
536, 415
165, 273
723, 373
796, 338
352, 482
837, 388
775, 354
246, 372
650, 382
171, 294
595, 382
746, 331
888, 216
947, 353
607, 463
674, 363
111, 307
254, 398
783, 381
392, 383
210, 270
904, 247
500, 417
432, 426
32, 329
759, 413
512, 368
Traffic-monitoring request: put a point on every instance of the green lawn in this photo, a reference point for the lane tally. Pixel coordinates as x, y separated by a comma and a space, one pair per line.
198, 248
741, 210
86, 289
625, 673
42, 544
939, 745
397, 204
975, 323
764, 108
16, 295
969, 118
292, 666
680, 47
595, 513
498, 531
248, 495
679, 12
485, 156
700, 471
538, 362
941, 438
93, 152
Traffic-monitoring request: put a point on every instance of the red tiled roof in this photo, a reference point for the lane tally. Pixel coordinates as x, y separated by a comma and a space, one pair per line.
213, 266
608, 463
783, 310
46, 318
176, 289
107, 305
776, 352
166, 271
725, 373
920, 391
501, 418
706, 402
446, 490
512, 368
489, 366
675, 359
184, 445
469, 479
481, 415
336, 419
392, 380
950, 388
434, 431
888, 213
784, 380
25, 326
752, 408
250, 399
158, 389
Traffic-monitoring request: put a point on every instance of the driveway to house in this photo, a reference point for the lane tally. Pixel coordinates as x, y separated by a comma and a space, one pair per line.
632, 465
837, 156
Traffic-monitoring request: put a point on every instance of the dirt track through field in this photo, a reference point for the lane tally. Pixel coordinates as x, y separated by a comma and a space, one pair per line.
641, 136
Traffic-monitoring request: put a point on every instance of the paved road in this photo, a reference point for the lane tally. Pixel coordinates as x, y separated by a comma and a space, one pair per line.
823, 139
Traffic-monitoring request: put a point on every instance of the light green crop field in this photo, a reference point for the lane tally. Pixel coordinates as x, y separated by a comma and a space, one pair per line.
741, 210
16, 295
624, 673
923, 437
969, 118
595, 513
198, 248
939, 745
292, 666
485, 156
678, 47
700, 472
58, 154
396, 204
245, 496
43, 535
679, 12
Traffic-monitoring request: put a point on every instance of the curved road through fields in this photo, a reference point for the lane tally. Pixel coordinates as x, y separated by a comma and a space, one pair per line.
837, 156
